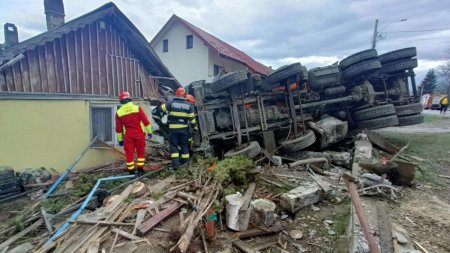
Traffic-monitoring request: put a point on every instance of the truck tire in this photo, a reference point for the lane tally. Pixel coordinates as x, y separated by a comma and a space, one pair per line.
361, 68
397, 66
410, 120
284, 72
378, 122
368, 54
299, 143
403, 53
228, 80
249, 150
374, 112
403, 110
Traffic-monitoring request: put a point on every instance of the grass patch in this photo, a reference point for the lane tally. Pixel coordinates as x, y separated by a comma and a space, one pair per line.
428, 146
430, 118
342, 219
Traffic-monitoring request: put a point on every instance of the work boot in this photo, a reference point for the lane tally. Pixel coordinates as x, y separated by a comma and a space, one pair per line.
141, 172
132, 172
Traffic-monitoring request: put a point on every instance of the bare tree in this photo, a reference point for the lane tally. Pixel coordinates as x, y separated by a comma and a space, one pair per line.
444, 72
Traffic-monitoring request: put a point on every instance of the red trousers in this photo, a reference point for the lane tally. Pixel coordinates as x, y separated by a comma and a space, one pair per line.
134, 142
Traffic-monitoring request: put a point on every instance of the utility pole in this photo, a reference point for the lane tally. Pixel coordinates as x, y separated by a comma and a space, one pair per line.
375, 33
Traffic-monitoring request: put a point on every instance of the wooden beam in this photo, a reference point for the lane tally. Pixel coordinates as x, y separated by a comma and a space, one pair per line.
247, 248
125, 234
146, 226
103, 223
22, 233
276, 228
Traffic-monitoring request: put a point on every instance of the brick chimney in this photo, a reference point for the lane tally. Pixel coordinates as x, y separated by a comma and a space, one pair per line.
54, 12
11, 35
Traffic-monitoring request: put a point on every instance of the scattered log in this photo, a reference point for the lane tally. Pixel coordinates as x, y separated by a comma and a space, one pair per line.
244, 246
326, 187
103, 223
187, 196
155, 220
264, 246
139, 189
22, 233
444, 176
382, 143
276, 228
125, 234
307, 161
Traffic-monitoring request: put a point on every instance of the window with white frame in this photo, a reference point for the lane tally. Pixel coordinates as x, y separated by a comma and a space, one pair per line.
102, 122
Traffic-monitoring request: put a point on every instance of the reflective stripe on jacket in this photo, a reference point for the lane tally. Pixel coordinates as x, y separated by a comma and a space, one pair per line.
132, 119
180, 113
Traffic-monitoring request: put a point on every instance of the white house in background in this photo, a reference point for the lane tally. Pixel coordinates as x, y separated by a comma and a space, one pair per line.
192, 54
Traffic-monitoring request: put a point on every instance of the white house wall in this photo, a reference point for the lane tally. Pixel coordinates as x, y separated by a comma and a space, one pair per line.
187, 65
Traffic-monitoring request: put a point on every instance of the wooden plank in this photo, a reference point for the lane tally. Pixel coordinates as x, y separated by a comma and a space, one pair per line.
79, 61
94, 58
17, 75
93, 246
25, 75
156, 219
42, 68
3, 86
247, 248
22, 233
103, 223
72, 65
381, 142
9, 79
107, 59
60, 86
139, 219
65, 64
33, 65
51, 71
86, 58
384, 227
125, 234
101, 40
276, 228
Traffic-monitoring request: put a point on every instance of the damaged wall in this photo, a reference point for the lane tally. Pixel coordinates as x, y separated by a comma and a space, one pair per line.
49, 133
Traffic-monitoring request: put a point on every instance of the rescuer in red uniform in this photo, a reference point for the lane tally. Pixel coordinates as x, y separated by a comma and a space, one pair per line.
131, 125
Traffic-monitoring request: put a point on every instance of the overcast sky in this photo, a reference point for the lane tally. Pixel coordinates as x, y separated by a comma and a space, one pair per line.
314, 32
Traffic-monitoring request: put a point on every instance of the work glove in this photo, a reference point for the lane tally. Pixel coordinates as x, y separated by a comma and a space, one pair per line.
121, 143
149, 136
195, 129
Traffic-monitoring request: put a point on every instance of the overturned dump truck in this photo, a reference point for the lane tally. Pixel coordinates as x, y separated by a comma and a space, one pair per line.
293, 108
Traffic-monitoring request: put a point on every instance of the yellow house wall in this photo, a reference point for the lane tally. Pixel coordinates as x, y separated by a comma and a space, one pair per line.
48, 133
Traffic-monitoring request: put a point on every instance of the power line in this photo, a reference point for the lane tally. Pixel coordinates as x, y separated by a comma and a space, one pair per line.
418, 31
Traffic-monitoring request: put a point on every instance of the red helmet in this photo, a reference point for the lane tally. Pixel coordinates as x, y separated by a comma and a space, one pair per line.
190, 98
180, 92
124, 95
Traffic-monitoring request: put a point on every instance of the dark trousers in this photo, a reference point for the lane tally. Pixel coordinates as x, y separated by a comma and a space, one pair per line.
179, 138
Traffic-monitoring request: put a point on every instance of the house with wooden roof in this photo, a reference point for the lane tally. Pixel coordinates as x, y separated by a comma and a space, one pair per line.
192, 54
60, 88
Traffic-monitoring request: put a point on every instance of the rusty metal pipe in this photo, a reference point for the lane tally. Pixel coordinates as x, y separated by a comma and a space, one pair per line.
373, 248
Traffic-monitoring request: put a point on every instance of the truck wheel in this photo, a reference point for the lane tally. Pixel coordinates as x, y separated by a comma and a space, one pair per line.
284, 72
228, 80
368, 54
361, 68
374, 112
403, 53
378, 122
410, 120
299, 143
249, 150
397, 66
403, 110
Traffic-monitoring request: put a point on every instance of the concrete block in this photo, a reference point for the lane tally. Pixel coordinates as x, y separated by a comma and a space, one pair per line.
306, 194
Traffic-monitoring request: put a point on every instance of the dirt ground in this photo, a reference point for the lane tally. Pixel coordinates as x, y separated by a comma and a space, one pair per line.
425, 209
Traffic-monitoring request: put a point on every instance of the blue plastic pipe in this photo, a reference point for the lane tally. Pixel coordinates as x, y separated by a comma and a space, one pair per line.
61, 178
86, 201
